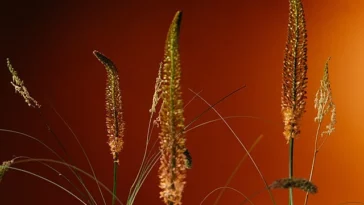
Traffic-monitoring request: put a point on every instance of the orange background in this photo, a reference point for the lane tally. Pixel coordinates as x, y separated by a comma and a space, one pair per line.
224, 44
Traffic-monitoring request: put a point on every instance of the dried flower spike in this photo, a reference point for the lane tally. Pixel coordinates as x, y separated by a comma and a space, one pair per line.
157, 90
172, 171
299, 183
20, 88
4, 168
114, 116
294, 71
324, 102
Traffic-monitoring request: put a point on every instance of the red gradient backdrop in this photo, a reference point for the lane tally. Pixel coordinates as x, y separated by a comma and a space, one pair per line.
224, 44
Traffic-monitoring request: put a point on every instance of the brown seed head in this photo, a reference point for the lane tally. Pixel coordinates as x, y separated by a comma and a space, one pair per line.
114, 116
299, 183
294, 84
4, 168
20, 87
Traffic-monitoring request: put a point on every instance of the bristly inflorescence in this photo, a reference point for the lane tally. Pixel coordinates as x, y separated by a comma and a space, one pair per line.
294, 84
4, 168
172, 171
157, 90
157, 95
20, 87
299, 183
114, 117
324, 102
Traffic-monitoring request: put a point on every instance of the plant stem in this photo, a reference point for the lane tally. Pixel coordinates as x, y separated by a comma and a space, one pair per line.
314, 158
290, 168
115, 182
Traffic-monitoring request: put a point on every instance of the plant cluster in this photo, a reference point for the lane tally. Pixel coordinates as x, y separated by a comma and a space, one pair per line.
167, 114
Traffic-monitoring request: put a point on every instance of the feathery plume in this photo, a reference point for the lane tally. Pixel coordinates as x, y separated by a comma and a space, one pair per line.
4, 168
324, 102
172, 171
299, 183
114, 115
157, 90
294, 71
157, 95
20, 88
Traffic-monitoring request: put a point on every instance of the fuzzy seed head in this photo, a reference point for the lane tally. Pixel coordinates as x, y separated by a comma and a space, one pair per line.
324, 102
294, 84
114, 116
4, 168
299, 183
20, 88
172, 171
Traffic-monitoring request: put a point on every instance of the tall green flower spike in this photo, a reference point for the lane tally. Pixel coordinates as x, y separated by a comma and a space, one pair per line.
172, 171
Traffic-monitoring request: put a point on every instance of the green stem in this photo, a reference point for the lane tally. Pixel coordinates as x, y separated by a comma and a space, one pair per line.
115, 182
290, 169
